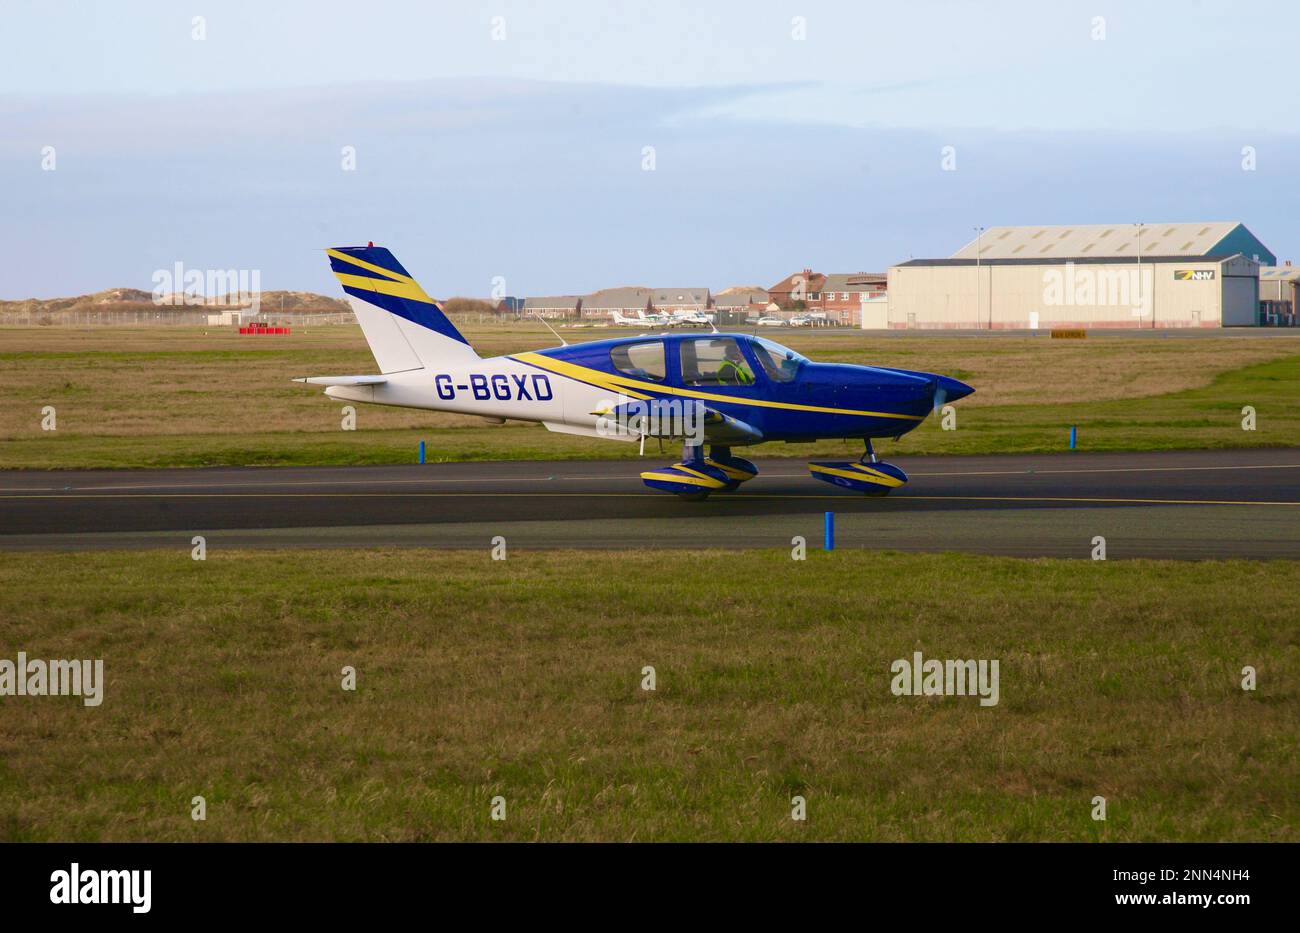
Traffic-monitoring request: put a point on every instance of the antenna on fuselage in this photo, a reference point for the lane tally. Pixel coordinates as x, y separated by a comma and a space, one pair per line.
563, 342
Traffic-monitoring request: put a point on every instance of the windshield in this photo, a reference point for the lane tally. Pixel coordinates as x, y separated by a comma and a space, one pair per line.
781, 363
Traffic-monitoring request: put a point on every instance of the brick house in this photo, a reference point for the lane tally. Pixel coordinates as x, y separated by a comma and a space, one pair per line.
805, 286
629, 301
669, 300
555, 306
843, 294
734, 305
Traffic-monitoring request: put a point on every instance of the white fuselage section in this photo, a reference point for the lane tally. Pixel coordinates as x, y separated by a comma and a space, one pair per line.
495, 388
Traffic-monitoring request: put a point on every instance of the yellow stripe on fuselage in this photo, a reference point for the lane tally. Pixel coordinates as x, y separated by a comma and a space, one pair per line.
581, 373
625, 384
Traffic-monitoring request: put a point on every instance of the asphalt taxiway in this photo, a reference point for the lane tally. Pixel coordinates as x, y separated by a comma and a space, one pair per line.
1179, 504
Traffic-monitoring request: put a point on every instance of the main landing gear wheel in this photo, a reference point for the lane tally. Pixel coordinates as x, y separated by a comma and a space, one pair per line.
697, 475
737, 469
867, 475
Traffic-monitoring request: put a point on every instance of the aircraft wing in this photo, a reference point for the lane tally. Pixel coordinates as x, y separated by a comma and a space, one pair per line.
674, 418
724, 429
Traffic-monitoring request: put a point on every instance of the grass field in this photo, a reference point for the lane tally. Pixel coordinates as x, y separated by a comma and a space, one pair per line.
181, 397
479, 678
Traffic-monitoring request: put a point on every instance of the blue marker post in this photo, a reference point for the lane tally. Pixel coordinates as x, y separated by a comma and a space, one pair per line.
1074, 435
421, 451
830, 531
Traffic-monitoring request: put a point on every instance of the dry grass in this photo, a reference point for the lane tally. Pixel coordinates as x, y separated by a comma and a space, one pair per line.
522, 678
180, 396
1042, 371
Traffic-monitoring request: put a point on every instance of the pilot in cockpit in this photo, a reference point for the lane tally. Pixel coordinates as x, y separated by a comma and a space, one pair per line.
733, 370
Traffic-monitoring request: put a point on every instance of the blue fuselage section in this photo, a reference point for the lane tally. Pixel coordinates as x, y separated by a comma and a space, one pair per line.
768, 387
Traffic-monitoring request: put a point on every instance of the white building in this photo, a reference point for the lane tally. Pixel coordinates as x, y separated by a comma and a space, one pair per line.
1108, 276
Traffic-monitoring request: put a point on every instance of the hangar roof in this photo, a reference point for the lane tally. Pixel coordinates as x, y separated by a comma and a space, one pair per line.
852, 281
1282, 273
629, 296
1078, 260
1185, 240
696, 295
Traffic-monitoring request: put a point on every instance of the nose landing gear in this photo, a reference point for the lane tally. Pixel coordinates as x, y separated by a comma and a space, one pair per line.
867, 474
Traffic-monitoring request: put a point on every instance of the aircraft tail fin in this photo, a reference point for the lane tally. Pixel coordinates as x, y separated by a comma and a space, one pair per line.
405, 328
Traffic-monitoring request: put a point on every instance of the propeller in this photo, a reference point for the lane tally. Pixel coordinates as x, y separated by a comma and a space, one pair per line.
947, 388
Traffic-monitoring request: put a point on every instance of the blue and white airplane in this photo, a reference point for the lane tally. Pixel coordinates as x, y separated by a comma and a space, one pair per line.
720, 389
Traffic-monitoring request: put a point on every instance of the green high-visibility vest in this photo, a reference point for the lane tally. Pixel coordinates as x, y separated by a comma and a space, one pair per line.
743, 376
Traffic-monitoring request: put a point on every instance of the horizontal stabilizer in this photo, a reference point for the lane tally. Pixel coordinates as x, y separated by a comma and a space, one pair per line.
584, 431
343, 380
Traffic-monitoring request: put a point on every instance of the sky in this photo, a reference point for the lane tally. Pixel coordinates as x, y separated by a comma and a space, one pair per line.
560, 147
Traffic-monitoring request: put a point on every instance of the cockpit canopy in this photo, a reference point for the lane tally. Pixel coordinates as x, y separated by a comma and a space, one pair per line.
714, 359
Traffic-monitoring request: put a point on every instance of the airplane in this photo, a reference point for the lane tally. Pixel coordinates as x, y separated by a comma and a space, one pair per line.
689, 319
723, 390
640, 320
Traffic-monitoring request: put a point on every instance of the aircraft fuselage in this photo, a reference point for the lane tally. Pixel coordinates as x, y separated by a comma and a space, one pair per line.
773, 390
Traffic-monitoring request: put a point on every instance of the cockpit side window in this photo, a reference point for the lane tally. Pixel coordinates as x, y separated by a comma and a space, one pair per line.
780, 363
714, 361
640, 360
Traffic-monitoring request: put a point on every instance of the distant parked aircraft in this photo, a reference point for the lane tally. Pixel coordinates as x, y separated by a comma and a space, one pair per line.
640, 319
689, 319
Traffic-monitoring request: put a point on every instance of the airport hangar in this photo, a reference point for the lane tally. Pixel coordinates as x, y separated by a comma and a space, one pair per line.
1097, 275
1279, 294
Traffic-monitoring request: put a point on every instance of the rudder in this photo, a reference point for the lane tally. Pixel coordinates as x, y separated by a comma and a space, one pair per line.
404, 327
